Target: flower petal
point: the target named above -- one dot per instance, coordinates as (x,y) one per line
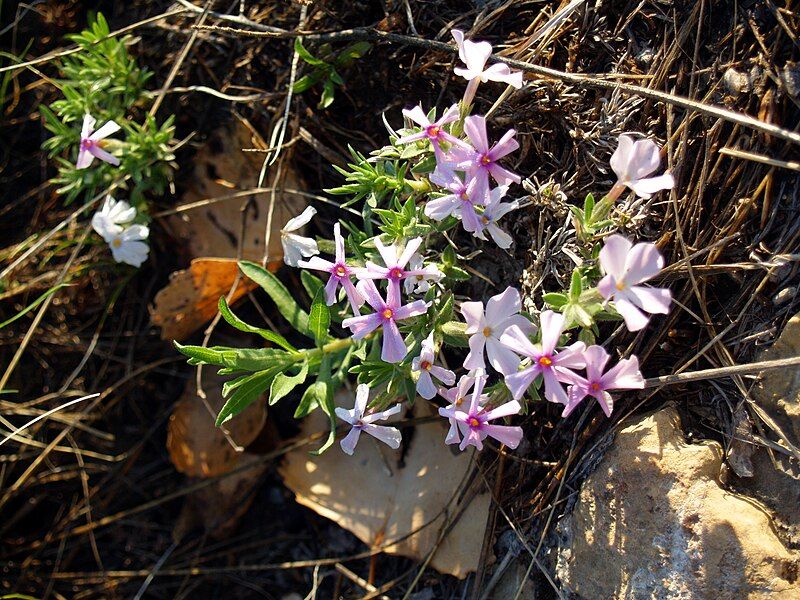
(505,434)
(388,435)
(473,315)
(552,326)
(475,128)
(634,318)
(394,348)
(505,410)
(348,442)
(503,360)
(518,383)
(502,306)
(643,262)
(625,375)
(613,256)
(425,386)
(652,300)
(108,128)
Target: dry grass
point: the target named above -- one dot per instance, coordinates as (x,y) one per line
(88,497)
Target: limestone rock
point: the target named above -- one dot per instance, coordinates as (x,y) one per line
(653,522)
(776,478)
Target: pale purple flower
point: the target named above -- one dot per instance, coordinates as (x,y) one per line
(494,211)
(553,366)
(386,316)
(394,269)
(482,161)
(366,423)
(423,364)
(112,217)
(459,203)
(624,375)
(296,246)
(474,56)
(433,131)
(421,283)
(91,145)
(626,266)
(456,396)
(485,329)
(633,161)
(129,245)
(340,274)
(475,424)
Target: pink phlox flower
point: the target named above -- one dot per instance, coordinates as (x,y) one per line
(460,203)
(433,131)
(92,142)
(474,56)
(554,367)
(474,424)
(494,211)
(112,218)
(421,283)
(624,375)
(386,316)
(394,269)
(626,266)
(482,161)
(456,396)
(423,364)
(633,161)
(485,329)
(366,423)
(340,273)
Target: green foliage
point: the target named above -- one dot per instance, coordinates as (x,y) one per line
(102,79)
(325,68)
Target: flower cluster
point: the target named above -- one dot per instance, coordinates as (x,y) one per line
(392,290)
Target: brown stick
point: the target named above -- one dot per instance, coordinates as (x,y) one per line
(748,369)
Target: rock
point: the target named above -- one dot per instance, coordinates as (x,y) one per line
(776,478)
(736,82)
(653,522)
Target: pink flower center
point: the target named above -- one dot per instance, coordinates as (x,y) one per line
(87,144)
(459,401)
(545,361)
(420,277)
(425,365)
(620,285)
(485,160)
(462,193)
(473,422)
(340,271)
(433,131)
(396,273)
(484,219)
(387,313)
(116,243)
(595,387)
(487,332)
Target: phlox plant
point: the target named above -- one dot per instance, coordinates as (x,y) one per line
(383,307)
(102,133)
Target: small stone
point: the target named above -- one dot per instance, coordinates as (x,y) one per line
(790,75)
(784,295)
(736,82)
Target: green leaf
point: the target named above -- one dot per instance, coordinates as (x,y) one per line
(588,207)
(555,300)
(268,335)
(575,286)
(283,384)
(319,320)
(305,54)
(312,398)
(33,304)
(282,298)
(328,92)
(246,392)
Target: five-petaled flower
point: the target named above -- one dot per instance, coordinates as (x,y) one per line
(423,364)
(421,282)
(366,423)
(494,211)
(474,424)
(295,246)
(394,269)
(481,161)
(386,316)
(632,162)
(486,327)
(340,273)
(433,131)
(91,145)
(457,396)
(460,202)
(474,55)
(127,242)
(626,266)
(553,366)
(624,375)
